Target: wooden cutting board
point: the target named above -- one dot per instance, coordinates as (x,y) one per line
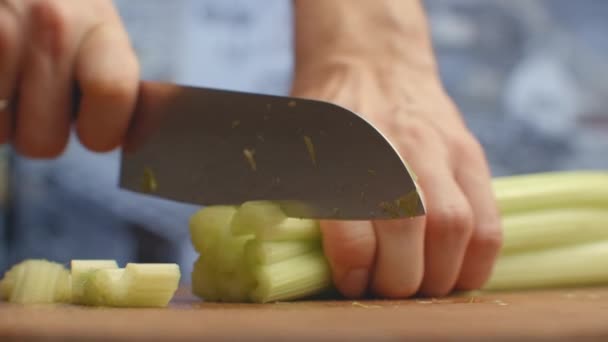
(559,314)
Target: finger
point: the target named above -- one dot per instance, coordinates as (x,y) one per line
(42,127)
(449,218)
(108,74)
(448,230)
(350,248)
(399,261)
(9,64)
(486,240)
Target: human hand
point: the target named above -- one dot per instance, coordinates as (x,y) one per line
(455,245)
(47,47)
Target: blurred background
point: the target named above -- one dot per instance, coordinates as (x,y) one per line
(528,75)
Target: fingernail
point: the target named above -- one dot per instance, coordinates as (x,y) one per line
(355,281)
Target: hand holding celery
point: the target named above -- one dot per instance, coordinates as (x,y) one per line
(555,227)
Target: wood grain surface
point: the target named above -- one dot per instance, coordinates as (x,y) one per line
(552,315)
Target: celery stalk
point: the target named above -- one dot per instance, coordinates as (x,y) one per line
(298,277)
(269,252)
(536,230)
(580,189)
(576,265)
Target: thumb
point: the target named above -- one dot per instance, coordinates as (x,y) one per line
(350,247)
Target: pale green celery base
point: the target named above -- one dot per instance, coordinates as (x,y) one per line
(583,189)
(270,252)
(571,266)
(256,215)
(203,281)
(229,253)
(294,278)
(290,229)
(552,228)
(207,224)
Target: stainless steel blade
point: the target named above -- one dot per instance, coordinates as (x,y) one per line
(214,147)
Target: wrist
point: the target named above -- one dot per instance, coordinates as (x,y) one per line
(391,35)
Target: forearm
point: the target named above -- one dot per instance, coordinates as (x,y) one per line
(391,34)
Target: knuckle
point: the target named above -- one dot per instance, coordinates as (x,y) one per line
(467,149)
(51,22)
(115,92)
(489,238)
(8,38)
(355,248)
(413,131)
(454,220)
(49,150)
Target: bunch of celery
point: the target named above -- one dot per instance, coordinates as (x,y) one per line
(555,228)
(256,253)
(90,282)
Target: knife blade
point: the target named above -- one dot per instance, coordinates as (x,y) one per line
(215,147)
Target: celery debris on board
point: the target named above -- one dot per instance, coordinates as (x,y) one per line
(555,234)
(91,282)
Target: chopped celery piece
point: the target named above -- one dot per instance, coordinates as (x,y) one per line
(37,281)
(102,287)
(536,230)
(149,285)
(7,284)
(82,270)
(207,224)
(137,285)
(298,277)
(269,252)
(576,265)
(518,194)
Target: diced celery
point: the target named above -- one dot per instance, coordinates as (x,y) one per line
(137,285)
(82,271)
(38,281)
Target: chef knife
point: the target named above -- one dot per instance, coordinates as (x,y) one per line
(214,147)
